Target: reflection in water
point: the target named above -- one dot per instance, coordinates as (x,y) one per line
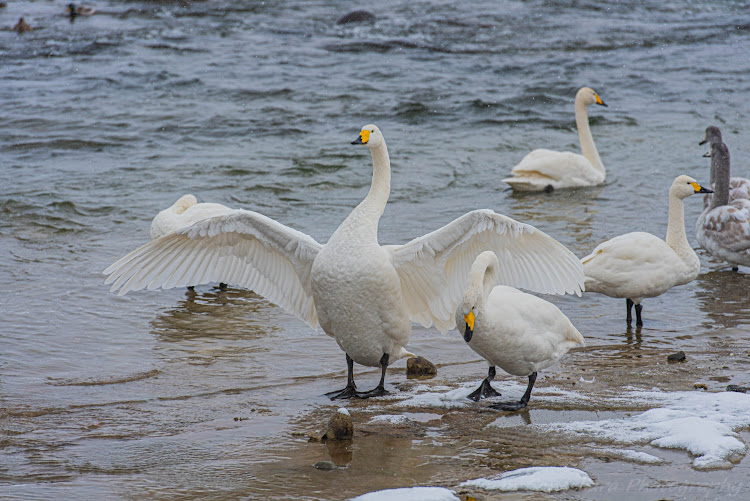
(723,297)
(216,313)
(340,452)
(560,209)
(633,338)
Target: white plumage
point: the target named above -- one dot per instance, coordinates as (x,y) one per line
(518,332)
(723,229)
(361,293)
(184,212)
(545,170)
(640,265)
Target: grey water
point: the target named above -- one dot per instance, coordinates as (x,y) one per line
(108,119)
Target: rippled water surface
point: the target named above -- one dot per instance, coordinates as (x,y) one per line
(109,119)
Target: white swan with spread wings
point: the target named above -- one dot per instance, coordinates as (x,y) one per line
(363,294)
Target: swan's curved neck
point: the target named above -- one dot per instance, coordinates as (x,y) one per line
(676,236)
(720,172)
(588,148)
(362,223)
(380,189)
(482,279)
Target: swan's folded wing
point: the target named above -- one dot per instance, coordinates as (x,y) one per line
(434,268)
(241,248)
(729,226)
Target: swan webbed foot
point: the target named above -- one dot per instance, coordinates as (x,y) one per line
(485,389)
(509,406)
(516,406)
(638,319)
(378,391)
(351,388)
(348,392)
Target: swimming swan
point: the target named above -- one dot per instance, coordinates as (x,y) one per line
(519,332)
(361,293)
(639,265)
(739,187)
(723,229)
(185,212)
(545,170)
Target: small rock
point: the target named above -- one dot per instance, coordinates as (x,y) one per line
(325,465)
(340,427)
(357,16)
(738,389)
(677,357)
(420,367)
(700,386)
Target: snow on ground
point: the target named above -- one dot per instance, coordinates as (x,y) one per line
(410,493)
(636,456)
(390,418)
(700,422)
(538,478)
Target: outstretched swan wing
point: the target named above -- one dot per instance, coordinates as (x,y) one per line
(239,248)
(434,268)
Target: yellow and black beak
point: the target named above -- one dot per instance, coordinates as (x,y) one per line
(469,332)
(363,138)
(700,189)
(599,101)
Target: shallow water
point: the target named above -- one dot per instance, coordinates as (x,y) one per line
(109,119)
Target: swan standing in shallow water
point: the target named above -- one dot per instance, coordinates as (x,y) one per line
(639,265)
(519,332)
(183,213)
(361,293)
(547,170)
(723,229)
(739,187)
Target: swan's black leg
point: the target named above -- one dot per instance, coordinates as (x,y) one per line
(379,390)
(514,406)
(351,388)
(222,286)
(735,268)
(485,390)
(629,305)
(638,319)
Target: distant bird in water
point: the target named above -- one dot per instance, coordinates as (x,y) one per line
(357,16)
(3,5)
(638,265)
(74,10)
(183,213)
(22,26)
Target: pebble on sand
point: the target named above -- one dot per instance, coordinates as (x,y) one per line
(677,357)
(420,367)
(340,427)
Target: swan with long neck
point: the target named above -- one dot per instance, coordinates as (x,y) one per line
(363,294)
(520,333)
(739,187)
(547,170)
(723,229)
(638,265)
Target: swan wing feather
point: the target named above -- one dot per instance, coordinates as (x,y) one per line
(433,269)
(240,248)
